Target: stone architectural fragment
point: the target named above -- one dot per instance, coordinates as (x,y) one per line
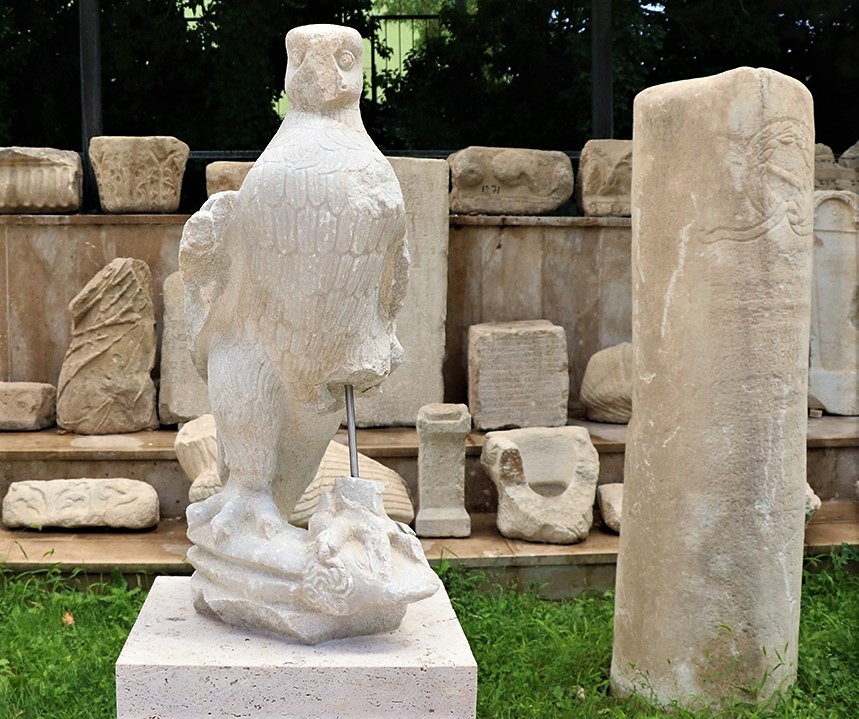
(421,322)
(605,174)
(607,385)
(850,157)
(138,174)
(292,288)
(197,452)
(182,394)
(509,181)
(517,374)
(70,503)
(40,179)
(722,196)
(546,479)
(27,405)
(223,176)
(105,384)
(610,500)
(833,381)
(831,175)
(442,429)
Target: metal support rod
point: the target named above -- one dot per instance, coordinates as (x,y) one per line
(350,430)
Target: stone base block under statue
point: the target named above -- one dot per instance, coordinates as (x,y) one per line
(180,664)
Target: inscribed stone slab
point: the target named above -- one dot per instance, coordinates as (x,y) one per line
(40,179)
(421,322)
(180,664)
(509,181)
(182,393)
(517,374)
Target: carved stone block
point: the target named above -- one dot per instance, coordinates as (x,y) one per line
(850,157)
(39,179)
(833,380)
(610,500)
(27,405)
(442,429)
(546,480)
(605,176)
(105,384)
(517,374)
(70,503)
(222,176)
(182,394)
(138,174)
(509,181)
(831,175)
(606,392)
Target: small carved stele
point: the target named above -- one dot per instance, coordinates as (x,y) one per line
(138,174)
(105,385)
(71,503)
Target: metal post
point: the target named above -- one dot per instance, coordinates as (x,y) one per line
(601,69)
(350,430)
(91,115)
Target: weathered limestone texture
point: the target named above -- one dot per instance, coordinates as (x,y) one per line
(421,322)
(40,179)
(517,374)
(831,175)
(182,394)
(197,451)
(812,503)
(105,385)
(722,197)
(70,503)
(138,174)
(833,381)
(546,479)
(442,429)
(223,176)
(607,385)
(169,667)
(509,181)
(605,174)
(27,405)
(310,254)
(850,157)
(610,501)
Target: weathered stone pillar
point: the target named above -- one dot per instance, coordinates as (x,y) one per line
(709,571)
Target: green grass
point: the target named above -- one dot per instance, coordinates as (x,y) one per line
(536,658)
(59,643)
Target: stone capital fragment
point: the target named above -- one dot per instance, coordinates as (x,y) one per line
(138,174)
(223,175)
(509,181)
(27,405)
(605,175)
(442,429)
(71,503)
(606,392)
(39,179)
(546,479)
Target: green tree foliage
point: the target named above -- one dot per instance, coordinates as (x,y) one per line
(515,74)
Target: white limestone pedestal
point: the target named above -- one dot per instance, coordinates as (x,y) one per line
(179,664)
